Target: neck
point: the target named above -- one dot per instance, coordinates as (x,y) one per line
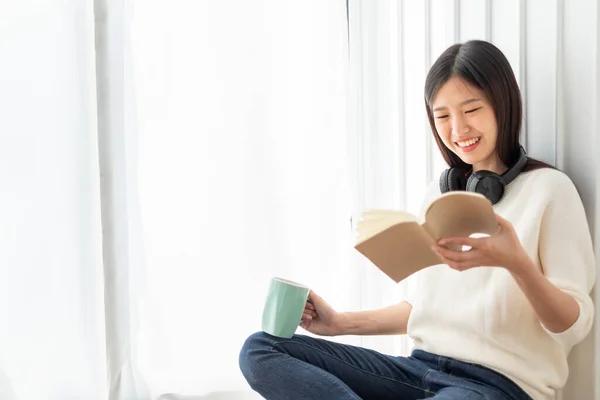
(495,166)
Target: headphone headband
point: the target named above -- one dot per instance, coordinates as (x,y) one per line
(516,169)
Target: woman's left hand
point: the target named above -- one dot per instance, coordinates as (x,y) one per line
(503,249)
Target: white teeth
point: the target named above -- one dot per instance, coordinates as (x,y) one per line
(468,142)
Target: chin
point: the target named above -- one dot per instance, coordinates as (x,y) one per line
(469,160)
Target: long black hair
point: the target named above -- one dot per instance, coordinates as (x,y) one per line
(484,66)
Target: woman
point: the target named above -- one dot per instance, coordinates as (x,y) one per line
(494,322)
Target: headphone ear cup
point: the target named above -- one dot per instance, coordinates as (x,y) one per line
(487,183)
(444,186)
(452,179)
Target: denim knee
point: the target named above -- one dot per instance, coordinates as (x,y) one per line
(256,345)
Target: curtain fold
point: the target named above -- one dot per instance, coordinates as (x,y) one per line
(122,248)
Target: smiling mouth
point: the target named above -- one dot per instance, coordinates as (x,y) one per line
(467,143)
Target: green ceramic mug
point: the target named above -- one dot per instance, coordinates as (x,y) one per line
(283,308)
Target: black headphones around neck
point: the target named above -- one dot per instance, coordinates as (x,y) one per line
(488,183)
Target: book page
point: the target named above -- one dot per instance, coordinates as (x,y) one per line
(375,221)
(461,214)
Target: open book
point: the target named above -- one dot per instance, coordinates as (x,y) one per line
(399,244)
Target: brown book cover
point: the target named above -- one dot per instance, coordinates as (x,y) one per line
(399,244)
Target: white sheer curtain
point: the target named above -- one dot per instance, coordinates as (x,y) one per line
(52,341)
(394,156)
(161,161)
(243,175)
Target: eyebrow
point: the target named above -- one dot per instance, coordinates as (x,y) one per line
(461,104)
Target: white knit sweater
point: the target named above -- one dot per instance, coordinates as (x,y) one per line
(481,315)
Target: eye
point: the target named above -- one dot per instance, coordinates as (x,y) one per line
(441,116)
(473,110)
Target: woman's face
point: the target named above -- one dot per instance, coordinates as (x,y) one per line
(466,123)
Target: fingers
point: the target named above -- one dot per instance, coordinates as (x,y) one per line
(504,224)
(460,266)
(453,255)
(309,310)
(501,220)
(463,241)
(307,317)
(314,301)
(314,297)
(458,260)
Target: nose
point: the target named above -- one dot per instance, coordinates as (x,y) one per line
(460,125)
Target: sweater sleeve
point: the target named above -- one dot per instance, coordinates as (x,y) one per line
(567,256)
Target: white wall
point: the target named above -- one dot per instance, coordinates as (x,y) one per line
(554,48)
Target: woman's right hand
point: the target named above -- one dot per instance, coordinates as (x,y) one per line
(319,317)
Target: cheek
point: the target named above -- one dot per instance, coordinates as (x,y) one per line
(486,124)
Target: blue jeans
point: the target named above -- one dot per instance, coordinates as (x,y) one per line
(304,367)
